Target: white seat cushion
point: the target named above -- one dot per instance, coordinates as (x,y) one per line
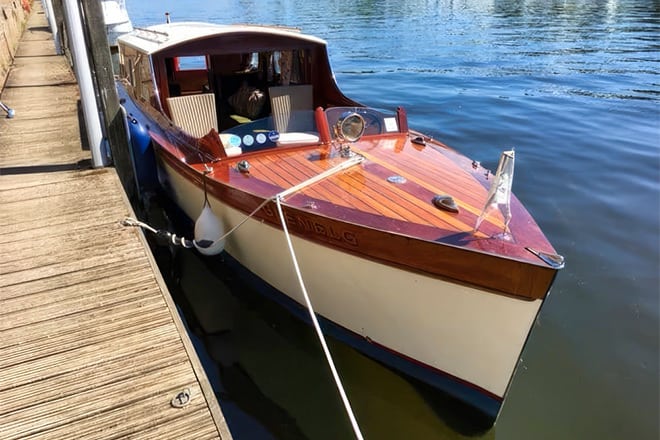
(297,138)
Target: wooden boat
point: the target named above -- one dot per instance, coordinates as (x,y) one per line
(382,218)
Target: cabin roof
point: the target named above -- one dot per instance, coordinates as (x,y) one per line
(155,38)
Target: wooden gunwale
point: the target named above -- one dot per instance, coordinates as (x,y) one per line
(421,196)
(268,189)
(387,199)
(511,271)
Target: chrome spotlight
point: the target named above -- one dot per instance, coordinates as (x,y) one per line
(349,128)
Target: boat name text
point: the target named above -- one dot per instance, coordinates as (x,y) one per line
(302,223)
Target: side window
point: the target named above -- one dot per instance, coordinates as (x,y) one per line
(190,63)
(188,75)
(127,58)
(135,67)
(291,65)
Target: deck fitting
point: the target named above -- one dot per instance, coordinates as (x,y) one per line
(182,399)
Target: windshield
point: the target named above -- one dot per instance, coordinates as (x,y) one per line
(263,133)
(375,122)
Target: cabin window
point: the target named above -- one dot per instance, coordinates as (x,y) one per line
(136,69)
(187,75)
(292,67)
(253,62)
(190,63)
(277,67)
(283,67)
(127,61)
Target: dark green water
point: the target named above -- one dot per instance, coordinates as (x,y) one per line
(574,86)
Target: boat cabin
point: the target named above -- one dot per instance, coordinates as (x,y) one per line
(205,76)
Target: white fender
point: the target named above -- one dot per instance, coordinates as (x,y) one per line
(209,227)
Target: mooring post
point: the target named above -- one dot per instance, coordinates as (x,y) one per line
(97,144)
(50,15)
(112,116)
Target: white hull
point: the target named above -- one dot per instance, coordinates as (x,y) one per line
(474,335)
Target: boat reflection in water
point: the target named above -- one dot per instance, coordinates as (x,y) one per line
(270,376)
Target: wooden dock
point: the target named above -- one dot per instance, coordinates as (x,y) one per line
(91,344)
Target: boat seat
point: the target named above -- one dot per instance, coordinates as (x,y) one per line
(195,114)
(292,108)
(297,138)
(293,116)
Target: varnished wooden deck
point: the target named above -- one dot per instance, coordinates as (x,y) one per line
(91,345)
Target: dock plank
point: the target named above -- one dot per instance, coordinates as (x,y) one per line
(70,278)
(72,295)
(91,343)
(48,415)
(82,359)
(76,381)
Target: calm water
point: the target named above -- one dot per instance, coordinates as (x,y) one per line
(574,86)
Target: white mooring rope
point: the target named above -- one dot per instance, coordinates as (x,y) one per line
(317,327)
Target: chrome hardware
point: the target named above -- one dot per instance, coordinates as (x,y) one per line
(396,179)
(445,202)
(182,399)
(555,261)
(243,166)
(348,129)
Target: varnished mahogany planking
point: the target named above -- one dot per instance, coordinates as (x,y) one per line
(492,264)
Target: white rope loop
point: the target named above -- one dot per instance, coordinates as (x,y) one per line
(278,198)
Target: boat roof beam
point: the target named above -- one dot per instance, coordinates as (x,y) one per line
(237,43)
